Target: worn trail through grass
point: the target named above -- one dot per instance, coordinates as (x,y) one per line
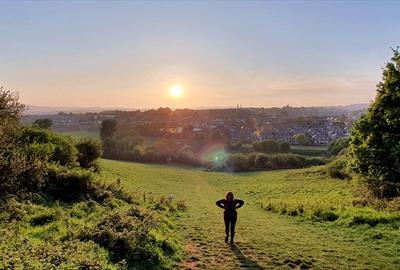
(263,240)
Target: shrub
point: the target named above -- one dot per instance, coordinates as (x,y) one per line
(315,161)
(337,146)
(338,168)
(11,110)
(261,160)
(186,157)
(284,147)
(252,159)
(267,146)
(43,123)
(21,170)
(292,161)
(130,236)
(138,152)
(89,150)
(62,149)
(238,162)
(67,184)
(42,218)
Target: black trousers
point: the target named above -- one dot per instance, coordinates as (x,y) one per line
(230,223)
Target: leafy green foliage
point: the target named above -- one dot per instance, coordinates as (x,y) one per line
(108,128)
(337,147)
(89,150)
(67,184)
(60,149)
(271,146)
(375,139)
(238,162)
(108,234)
(261,160)
(338,168)
(285,161)
(55,215)
(302,139)
(10,110)
(45,123)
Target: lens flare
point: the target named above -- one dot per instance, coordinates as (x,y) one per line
(214,152)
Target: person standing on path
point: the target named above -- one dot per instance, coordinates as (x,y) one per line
(230,204)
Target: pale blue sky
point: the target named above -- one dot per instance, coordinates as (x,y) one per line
(88,53)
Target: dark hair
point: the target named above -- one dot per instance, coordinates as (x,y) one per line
(229,193)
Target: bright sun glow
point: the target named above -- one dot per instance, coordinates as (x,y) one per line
(176,91)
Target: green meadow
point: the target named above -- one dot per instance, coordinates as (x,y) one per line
(299,219)
(82,134)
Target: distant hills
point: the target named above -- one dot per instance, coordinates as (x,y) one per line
(44,110)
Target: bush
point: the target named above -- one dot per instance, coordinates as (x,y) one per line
(129,236)
(22,166)
(338,168)
(67,184)
(292,161)
(284,147)
(252,159)
(267,146)
(43,123)
(286,161)
(186,157)
(315,161)
(61,149)
(11,110)
(138,152)
(89,150)
(261,160)
(238,162)
(337,146)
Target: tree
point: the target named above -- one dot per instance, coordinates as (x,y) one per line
(89,150)
(10,110)
(375,139)
(108,128)
(45,123)
(301,139)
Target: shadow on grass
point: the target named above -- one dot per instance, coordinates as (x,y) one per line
(245,262)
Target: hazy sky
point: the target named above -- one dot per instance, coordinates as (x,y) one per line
(223,53)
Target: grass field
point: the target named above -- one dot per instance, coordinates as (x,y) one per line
(265,238)
(309,150)
(82,134)
(309,147)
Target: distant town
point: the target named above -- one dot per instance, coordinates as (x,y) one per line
(319,125)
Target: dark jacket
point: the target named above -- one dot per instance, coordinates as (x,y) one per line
(230,206)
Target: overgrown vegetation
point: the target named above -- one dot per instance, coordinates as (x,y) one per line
(262,161)
(56,214)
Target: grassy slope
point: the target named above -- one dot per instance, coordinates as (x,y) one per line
(264,239)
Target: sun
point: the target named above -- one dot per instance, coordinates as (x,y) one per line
(176,91)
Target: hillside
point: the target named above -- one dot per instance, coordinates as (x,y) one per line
(267,236)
